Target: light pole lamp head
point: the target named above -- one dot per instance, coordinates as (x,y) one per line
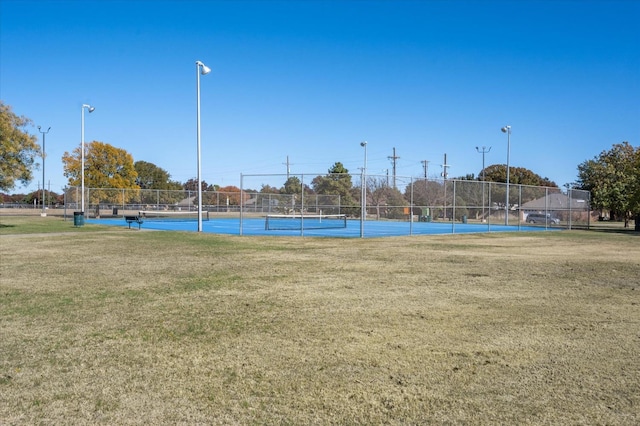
(363,143)
(506,129)
(204,70)
(88,107)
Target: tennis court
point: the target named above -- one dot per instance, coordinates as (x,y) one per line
(370,228)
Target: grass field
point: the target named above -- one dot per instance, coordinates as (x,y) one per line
(105,325)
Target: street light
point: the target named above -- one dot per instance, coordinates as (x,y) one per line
(200,69)
(44,213)
(483,152)
(91,109)
(364,190)
(507,130)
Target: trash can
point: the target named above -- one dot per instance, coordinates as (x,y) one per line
(115,211)
(78,218)
(464,218)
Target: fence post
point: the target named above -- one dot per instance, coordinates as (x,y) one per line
(569,197)
(489,205)
(519,211)
(241,198)
(453,209)
(411,209)
(301,206)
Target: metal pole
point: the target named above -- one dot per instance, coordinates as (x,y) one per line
(301,206)
(363,197)
(362,205)
(364,185)
(453,209)
(200,68)
(411,210)
(241,192)
(44,196)
(91,109)
(483,152)
(508,170)
(507,130)
(82,165)
(198,149)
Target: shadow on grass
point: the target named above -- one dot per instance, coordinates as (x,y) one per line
(631,230)
(628,231)
(2,225)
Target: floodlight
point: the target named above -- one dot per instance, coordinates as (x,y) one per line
(204,70)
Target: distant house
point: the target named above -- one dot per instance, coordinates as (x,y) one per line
(556,201)
(559,204)
(185,204)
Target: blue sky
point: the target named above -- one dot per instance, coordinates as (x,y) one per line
(312,79)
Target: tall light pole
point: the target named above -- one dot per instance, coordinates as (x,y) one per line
(200,69)
(364,190)
(507,130)
(44,213)
(91,109)
(483,151)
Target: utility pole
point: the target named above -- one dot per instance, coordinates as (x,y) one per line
(393,159)
(288,167)
(444,175)
(425,166)
(445,166)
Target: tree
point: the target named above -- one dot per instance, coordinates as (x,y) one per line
(232,194)
(336,182)
(613,177)
(293,185)
(18,149)
(106,167)
(268,189)
(517,176)
(160,189)
(192,185)
(388,201)
(151,176)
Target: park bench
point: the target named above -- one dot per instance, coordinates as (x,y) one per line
(132,219)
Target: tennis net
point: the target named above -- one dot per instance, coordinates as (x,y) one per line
(276,222)
(153,215)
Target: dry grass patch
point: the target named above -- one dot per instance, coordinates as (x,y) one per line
(162,327)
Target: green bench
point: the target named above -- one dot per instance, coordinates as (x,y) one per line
(134,219)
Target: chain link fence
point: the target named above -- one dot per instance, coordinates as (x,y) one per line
(400,198)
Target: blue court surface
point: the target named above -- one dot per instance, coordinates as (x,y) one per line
(371,228)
